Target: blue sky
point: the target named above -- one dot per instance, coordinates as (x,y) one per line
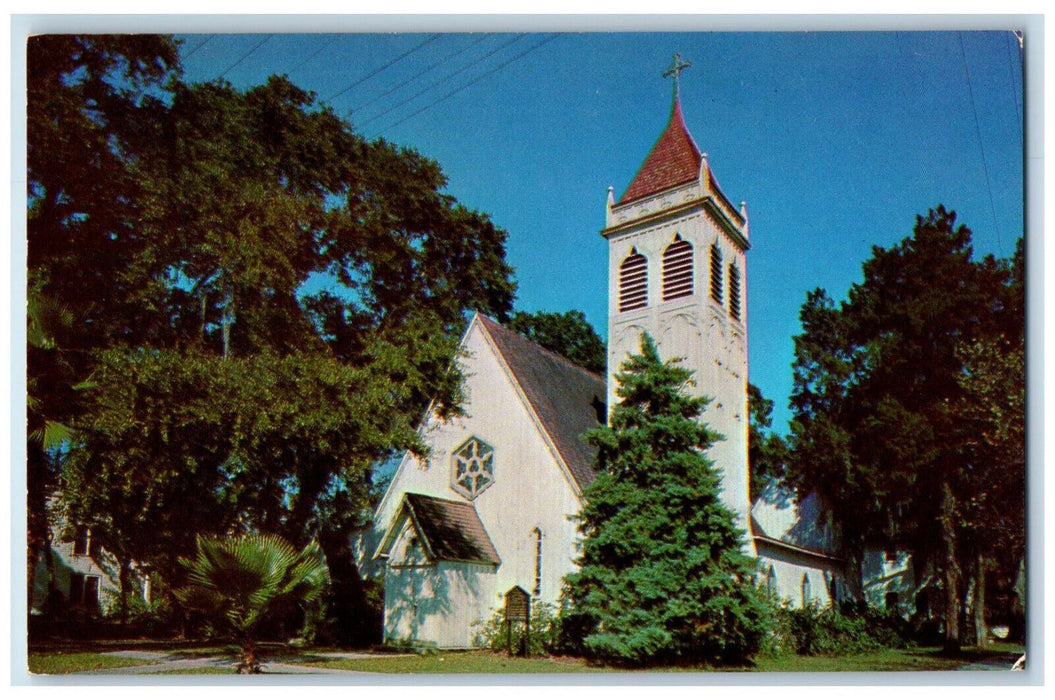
(836,141)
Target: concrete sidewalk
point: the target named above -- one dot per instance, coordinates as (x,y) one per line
(997,662)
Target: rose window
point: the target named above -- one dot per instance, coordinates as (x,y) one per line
(473,468)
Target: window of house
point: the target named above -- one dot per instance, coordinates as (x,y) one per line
(472,468)
(807,593)
(91,591)
(677,269)
(716,273)
(771,581)
(82,542)
(84,590)
(76,588)
(734,291)
(633,282)
(538,561)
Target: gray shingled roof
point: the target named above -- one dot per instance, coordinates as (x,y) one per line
(568,399)
(452,529)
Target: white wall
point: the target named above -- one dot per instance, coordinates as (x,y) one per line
(530,489)
(790,568)
(438,603)
(64,563)
(883,574)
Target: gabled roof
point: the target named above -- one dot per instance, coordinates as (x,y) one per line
(450,530)
(779,516)
(567,399)
(674,160)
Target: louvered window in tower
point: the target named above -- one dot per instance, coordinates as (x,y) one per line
(633,282)
(677,269)
(734,291)
(716,273)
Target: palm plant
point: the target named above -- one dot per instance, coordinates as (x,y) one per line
(238,582)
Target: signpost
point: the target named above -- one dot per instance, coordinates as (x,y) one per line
(518,607)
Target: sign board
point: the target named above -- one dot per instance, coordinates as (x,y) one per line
(518,604)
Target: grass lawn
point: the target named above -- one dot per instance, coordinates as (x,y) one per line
(77,662)
(914,659)
(456,662)
(486,662)
(882,660)
(918,659)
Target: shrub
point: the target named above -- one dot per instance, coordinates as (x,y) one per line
(545,632)
(814,631)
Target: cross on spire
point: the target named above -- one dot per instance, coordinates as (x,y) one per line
(675,69)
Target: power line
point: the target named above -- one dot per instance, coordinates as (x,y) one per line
(443,80)
(978,132)
(1011,70)
(395,60)
(475,80)
(244,56)
(425,72)
(195,49)
(333,38)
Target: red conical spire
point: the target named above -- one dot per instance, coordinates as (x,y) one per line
(674,160)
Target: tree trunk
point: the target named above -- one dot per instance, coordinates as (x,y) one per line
(981,632)
(950,570)
(250,662)
(124,584)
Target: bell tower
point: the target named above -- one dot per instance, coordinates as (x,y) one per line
(677,270)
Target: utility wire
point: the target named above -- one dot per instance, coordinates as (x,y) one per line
(395,60)
(454,92)
(441,81)
(425,72)
(245,56)
(1011,70)
(333,38)
(981,147)
(195,49)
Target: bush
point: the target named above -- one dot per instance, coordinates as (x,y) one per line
(157,618)
(545,632)
(814,631)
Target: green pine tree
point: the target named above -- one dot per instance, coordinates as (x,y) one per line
(663,577)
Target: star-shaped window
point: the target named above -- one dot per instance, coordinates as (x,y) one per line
(472,468)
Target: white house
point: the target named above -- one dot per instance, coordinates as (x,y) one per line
(494,507)
(83,574)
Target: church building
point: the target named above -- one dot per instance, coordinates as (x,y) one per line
(493,508)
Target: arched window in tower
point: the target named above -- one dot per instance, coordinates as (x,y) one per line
(716,273)
(734,291)
(807,593)
(538,560)
(677,269)
(633,282)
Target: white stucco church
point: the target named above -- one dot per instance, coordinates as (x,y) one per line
(493,506)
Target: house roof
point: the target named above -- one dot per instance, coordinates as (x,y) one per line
(451,530)
(674,160)
(567,399)
(778,516)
